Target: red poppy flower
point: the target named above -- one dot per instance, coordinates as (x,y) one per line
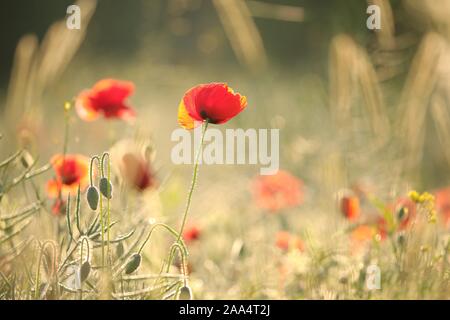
(70,171)
(279,191)
(133,165)
(191,233)
(215,102)
(107,97)
(442,202)
(284,240)
(350,207)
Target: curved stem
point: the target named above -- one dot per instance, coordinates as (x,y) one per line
(172,231)
(176,246)
(91,168)
(194,180)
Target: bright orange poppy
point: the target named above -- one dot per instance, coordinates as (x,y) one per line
(215,102)
(107,98)
(350,207)
(70,171)
(279,191)
(284,240)
(361,236)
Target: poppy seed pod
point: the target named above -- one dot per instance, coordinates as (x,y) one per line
(92,197)
(106,188)
(85,269)
(185,293)
(133,263)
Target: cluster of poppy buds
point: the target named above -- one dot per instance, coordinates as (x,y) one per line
(105,185)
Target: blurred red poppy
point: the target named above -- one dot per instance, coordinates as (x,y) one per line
(215,102)
(381,228)
(107,98)
(191,233)
(133,164)
(70,171)
(284,241)
(361,236)
(350,207)
(279,191)
(442,202)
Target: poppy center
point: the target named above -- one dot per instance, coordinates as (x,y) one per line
(205,117)
(69,173)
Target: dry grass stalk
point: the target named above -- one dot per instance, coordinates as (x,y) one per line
(242,33)
(350,67)
(386,35)
(276,11)
(38,67)
(416,95)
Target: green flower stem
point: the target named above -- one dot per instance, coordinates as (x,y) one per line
(91,173)
(102,226)
(108,209)
(194,180)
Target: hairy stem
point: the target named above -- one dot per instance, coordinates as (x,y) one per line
(194,180)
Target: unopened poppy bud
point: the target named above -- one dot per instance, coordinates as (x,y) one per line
(120,250)
(84,271)
(92,197)
(185,293)
(106,188)
(133,263)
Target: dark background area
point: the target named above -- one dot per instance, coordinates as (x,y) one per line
(119,27)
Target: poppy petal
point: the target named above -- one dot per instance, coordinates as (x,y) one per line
(184,119)
(53,188)
(84,107)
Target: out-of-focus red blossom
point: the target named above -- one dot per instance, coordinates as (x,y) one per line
(215,102)
(133,165)
(382,228)
(191,233)
(361,236)
(106,98)
(284,241)
(59,207)
(350,207)
(137,172)
(279,191)
(442,202)
(71,171)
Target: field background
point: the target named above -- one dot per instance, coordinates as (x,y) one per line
(354,107)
